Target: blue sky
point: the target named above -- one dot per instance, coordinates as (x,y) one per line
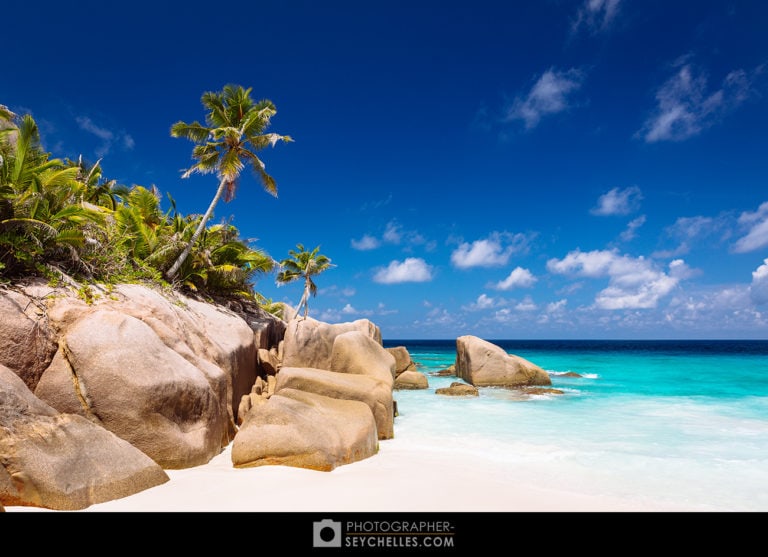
(552,169)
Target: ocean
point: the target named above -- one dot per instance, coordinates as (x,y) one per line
(677,422)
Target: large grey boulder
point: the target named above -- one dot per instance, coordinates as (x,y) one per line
(484,364)
(376,394)
(309,343)
(305,430)
(63,461)
(113,369)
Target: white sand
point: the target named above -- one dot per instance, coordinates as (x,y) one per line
(400,478)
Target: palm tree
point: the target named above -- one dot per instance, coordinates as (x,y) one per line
(303,264)
(234,131)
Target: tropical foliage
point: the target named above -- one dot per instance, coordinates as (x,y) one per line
(233,133)
(303,264)
(65,216)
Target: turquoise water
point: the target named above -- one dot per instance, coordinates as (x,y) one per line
(678,422)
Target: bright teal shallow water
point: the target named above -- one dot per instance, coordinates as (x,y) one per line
(678,422)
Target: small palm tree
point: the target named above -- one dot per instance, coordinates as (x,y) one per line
(234,131)
(303,264)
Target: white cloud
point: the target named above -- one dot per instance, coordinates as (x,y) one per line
(758,290)
(757,237)
(367,242)
(549,95)
(108,137)
(686,106)
(526,305)
(556,306)
(411,270)
(634,283)
(596,15)
(493,251)
(348,309)
(687,231)
(392,233)
(518,278)
(630,232)
(618,202)
(483,302)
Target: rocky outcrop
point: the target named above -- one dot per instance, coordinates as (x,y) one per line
(403,361)
(458,389)
(153,397)
(411,380)
(355,352)
(482,364)
(376,394)
(27,342)
(305,430)
(160,370)
(309,343)
(63,461)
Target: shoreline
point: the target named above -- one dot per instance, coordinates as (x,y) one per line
(399,478)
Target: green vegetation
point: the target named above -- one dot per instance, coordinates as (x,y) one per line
(61,216)
(303,264)
(226,145)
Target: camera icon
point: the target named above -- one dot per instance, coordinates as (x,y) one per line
(326,533)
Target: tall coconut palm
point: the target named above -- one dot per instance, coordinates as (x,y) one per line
(226,144)
(303,264)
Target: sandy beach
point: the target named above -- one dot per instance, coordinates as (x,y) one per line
(400,478)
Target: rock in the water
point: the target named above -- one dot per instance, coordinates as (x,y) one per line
(458,389)
(541,391)
(376,394)
(305,430)
(484,364)
(403,361)
(447,372)
(63,461)
(571,374)
(411,380)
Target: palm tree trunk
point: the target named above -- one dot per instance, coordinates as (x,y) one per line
(304,301)
(170,274)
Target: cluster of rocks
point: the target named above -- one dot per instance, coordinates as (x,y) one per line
(407,376)
(100,394)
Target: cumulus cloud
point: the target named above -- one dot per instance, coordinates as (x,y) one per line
(413,269)
(549,95)
(518,278)
(618,202)
(596,15)
(757,224)
(483,302)
(758,290)
(526,305)
(108,137)
(367,242)
(686,105)
(493,251)
(634,283)
(559,305)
